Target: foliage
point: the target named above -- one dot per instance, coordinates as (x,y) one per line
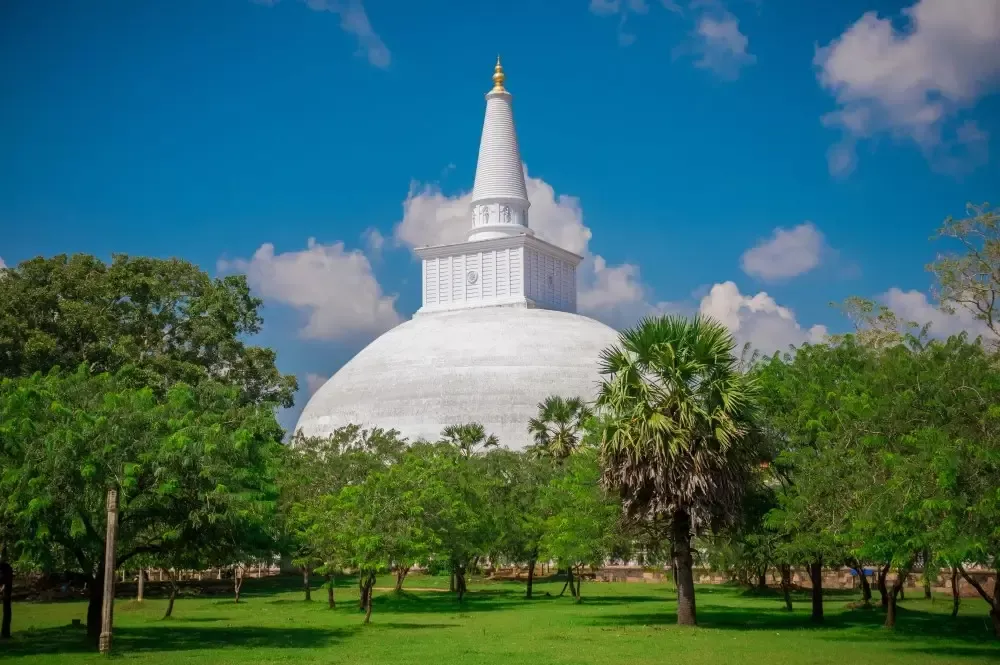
(678,433)
(558,427)
(193,467)
(971,281)
(580,530)
(167,319)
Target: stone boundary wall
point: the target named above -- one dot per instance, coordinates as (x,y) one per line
(839,578)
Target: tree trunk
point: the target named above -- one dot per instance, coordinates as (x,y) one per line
(579,581)
(883,589)
(238,575)
(866,588)
(460,582)
(401,572)
(94,607)
(361,592)
(7,580)
(305,582)
(531,575)
(330,600)
(993,601)
(140,585)
(762,581)
(927,574)
(682,563)
(896,593)
(369,585)
(569,582)
(173,595)
(956,598)
(816,577)
(786,585)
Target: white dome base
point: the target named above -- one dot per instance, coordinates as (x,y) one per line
(489,365)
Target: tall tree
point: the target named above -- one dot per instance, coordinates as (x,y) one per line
(189,464)
(676,440)
(970,279)
(558,427)
(168,319)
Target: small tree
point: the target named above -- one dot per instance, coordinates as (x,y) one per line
(580,531)
(558,427)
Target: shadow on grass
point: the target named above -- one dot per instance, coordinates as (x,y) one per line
(405,602)
(166,638)
(911,626)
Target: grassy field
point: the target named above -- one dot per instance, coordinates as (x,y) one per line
(617,623)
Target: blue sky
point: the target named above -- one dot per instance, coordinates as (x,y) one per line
(682,134)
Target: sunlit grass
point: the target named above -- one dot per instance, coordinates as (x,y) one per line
(616,623)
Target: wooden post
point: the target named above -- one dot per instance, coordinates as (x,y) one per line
(107,610)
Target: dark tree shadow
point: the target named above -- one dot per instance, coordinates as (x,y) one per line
(165,637)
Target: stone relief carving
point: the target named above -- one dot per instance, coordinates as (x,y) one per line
(505,212)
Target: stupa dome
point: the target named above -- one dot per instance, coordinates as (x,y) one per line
(497,332)
(491,365)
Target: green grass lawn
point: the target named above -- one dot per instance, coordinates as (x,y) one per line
(617,623)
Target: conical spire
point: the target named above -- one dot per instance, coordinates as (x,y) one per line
(499,196)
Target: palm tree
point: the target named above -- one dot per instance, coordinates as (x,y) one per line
(559,426)
(468,437)
(677,415)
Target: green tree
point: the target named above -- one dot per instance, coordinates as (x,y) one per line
(580,530)
(676,433)
(190,465)
(558,427)
(313,469)
(469,438)
(971,280)
(167,318)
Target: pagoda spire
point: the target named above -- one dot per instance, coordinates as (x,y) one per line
(499,196)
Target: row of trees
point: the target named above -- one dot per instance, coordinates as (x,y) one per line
(875,448)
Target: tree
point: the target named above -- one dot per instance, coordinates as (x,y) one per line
(515,483)
(189,464)
(168,319)
(581,528)
(676,437)
(468,438)
(313,469)
(559,426)
(971,281)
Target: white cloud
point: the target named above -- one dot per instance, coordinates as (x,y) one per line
(716,40)
(354,20)
(914,306)
(787,253)
(913,83)
(614,294)
(314,382)
(757,319)
(2,264)
(334,287)
(374,240)
(721,46)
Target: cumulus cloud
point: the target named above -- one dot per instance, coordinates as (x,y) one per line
(757,319)
(314,382)
(354,20)
(334,287)
(914,306)
(787,253)
(614,294)
(720,46)
(913,83)
(715,40)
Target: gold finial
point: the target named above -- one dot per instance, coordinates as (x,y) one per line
(498,77)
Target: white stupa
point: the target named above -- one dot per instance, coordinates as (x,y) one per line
(498,330)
